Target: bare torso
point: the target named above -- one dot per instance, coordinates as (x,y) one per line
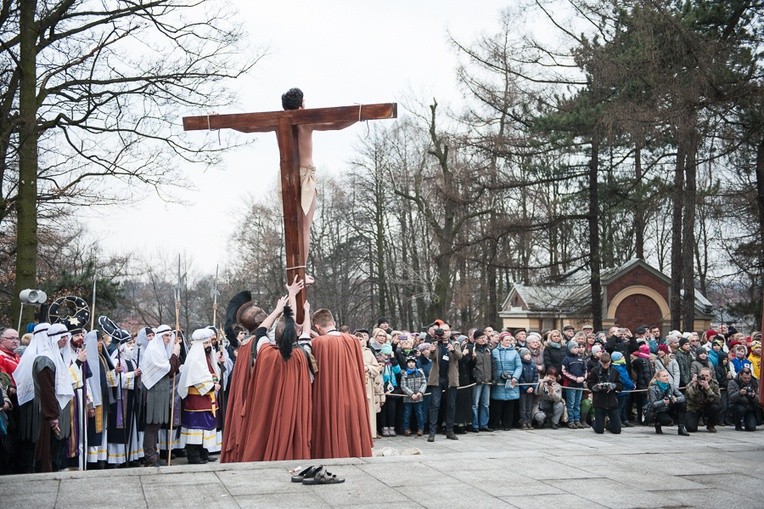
(305,145)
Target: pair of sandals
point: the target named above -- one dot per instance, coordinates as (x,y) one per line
(317,475)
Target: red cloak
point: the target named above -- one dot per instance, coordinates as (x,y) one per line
(237,404)
(277,425)
(340,408)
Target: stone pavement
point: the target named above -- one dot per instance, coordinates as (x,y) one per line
(535,469)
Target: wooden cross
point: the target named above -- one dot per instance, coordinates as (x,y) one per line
(285,123)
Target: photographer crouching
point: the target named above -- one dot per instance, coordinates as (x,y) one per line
(444,376)
(743,392)
(703,397)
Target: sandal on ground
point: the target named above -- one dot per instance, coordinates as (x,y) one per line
(323,476)
(308,473)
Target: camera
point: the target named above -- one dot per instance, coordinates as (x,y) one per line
(702,378)
(439,333)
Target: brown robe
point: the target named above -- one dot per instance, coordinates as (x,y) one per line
(278,424)
(340,409)
(49,410)
(237,404)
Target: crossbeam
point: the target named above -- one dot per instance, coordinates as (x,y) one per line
(285,124)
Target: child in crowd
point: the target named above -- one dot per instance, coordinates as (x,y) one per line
(390,369)
(414,385)
(530,376)
(624,397)
(574,375)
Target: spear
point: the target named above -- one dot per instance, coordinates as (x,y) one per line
(214,294)
(172,393)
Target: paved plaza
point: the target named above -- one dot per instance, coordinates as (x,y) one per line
(525,469)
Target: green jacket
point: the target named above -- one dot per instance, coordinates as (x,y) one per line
(699,398)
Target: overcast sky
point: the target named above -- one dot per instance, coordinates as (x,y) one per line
(340,53)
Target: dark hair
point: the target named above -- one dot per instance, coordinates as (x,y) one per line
(552,371)
(289,336)
(292,99)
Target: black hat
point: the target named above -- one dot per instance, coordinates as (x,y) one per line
(568,327)
(640,330)
(382,320)
(478,334)
(683,342)
(410,358)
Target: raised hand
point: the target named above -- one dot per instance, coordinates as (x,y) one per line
(296,286)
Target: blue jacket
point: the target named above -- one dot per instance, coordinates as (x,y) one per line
(506,364)
(628,384)
(389,372)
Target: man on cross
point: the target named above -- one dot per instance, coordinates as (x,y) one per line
(293,99)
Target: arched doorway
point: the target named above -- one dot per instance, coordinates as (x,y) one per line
(638,309)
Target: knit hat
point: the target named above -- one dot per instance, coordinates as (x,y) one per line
(644,351)
(616,356)
(523,352)
(424,346)
(387,349)
(664,348)
(410,358)
(478,334)
(572,344)
(596,349)
(755,344)
(683,342)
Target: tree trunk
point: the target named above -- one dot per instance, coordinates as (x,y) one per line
(677,196)
(688,234)
(26,206)
(639,212)
(594,237)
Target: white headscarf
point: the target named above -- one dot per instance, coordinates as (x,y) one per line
(195,370)
(155,362)
(23,372)
(64,381)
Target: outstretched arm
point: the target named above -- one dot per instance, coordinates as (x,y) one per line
(268,322)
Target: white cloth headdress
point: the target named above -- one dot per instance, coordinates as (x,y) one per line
(64,381)
(195,370)
(23,372)
(155,361)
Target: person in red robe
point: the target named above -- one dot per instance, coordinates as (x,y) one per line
(269,417)
(237,404)
(340,408)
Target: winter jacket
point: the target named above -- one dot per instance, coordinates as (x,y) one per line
(604,397)
(697,365)
(720,373)
(530,374)
(506,366)
(480,364)
(684,359)
(413,383)
(643,372)
(672,368)
(698,399)
(553,356)
(735,398)
(616,344)
(755,364)
(436,354)
(656,396)
(573,366)
(551,393)
(628,385)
